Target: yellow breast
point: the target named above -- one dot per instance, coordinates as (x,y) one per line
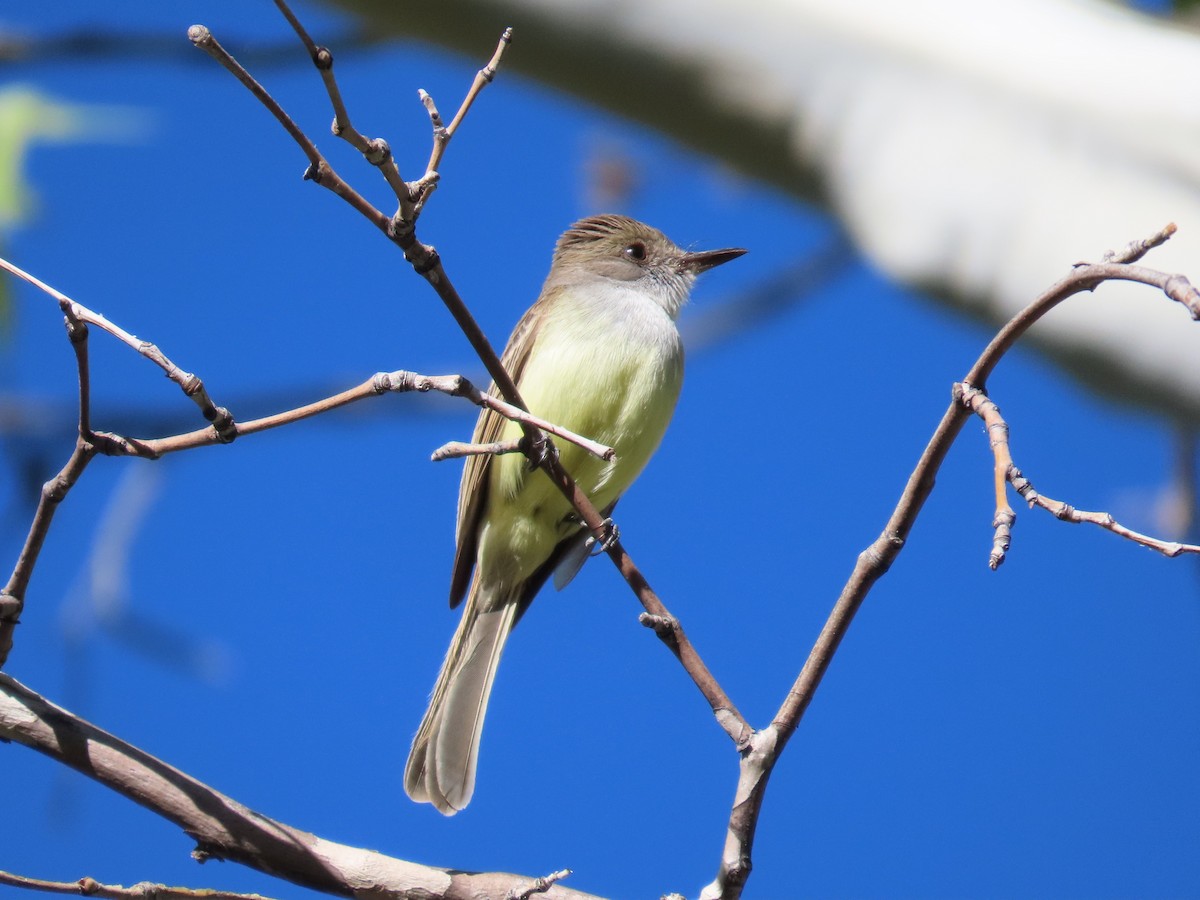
(611,374)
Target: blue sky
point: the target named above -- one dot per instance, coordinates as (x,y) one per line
(1028,732)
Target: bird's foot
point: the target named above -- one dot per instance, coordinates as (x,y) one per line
(612,534)
(537,451)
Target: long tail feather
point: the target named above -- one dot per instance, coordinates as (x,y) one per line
(445,751)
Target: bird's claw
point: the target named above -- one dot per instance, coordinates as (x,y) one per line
(537,451)
(612,534)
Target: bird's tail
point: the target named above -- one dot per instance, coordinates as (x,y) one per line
(441,764)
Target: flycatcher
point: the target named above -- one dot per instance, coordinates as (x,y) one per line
(599,354)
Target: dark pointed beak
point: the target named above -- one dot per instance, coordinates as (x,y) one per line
(708,259)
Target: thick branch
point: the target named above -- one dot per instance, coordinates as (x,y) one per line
(222,827)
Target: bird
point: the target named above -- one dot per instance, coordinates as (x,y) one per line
(598,353)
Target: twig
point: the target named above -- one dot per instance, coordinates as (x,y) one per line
(77,315)
(12,597)
(319,170)
(1008,473)
(375,151)
(90,887)
(398,382)
(980,404)
(399,229)
(1067,513)
(540,885)
(442,135)
(457,449)
(224,429)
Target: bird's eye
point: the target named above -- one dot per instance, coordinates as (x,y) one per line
(636,251)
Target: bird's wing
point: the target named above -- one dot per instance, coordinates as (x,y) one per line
(473,489)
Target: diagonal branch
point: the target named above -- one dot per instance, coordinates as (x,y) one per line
(223,828)
(766,745)
(443,134)
(427,263)
(79,316)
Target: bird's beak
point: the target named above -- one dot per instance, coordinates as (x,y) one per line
(708,259)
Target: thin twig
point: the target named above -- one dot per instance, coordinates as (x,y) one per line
(12,597)
(1067,513)
(376,151)
(1002,523)
(398,382)
(539,886)
(319,170)
(224,429)
(90,887)
(457,449)
(1008,473)
(77,314)
(484,77)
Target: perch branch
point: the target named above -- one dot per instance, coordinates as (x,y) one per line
(427,263)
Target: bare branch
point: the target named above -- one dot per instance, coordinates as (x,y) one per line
(876,559)
(484,77)
(90,887)
(1135,250)
(399,381)
(78,314)
(222,827)
(224,428)
(979,403)
(319,169)
(1067,513)
(457,449)
(12,597)
(1007,473)
(376,151)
